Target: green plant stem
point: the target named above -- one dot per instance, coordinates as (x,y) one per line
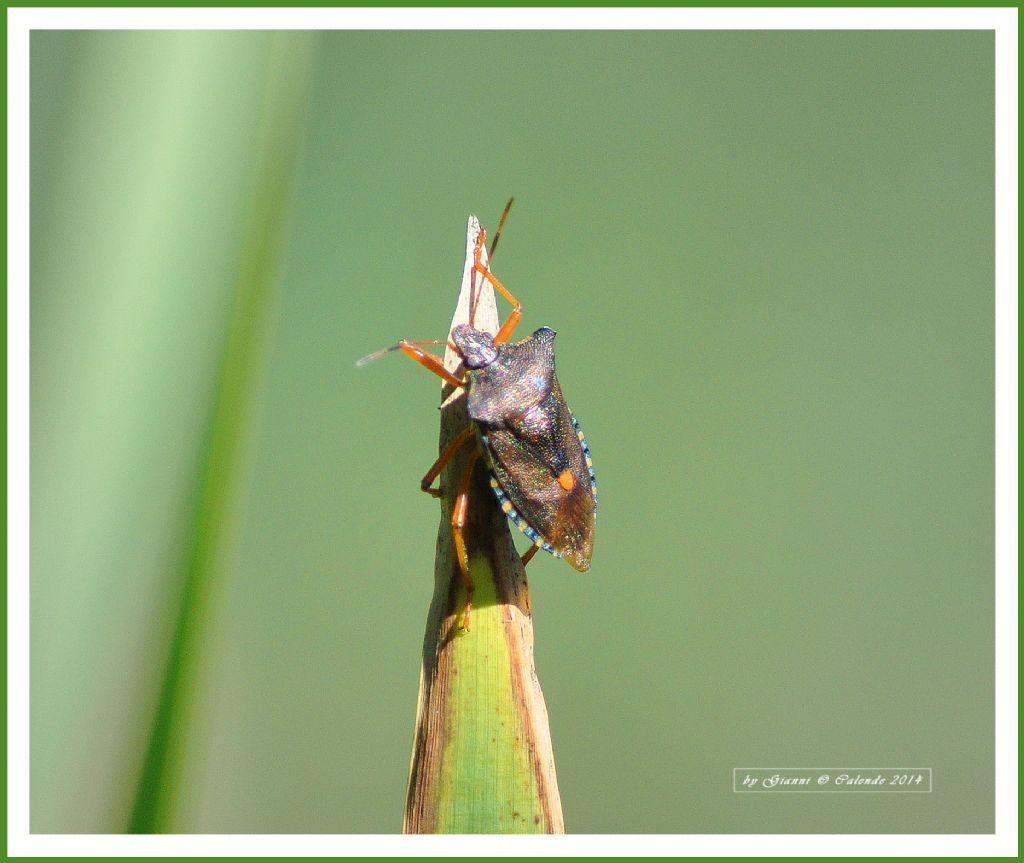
(482,760)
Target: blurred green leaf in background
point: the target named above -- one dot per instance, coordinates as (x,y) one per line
(153,293)
(769,260)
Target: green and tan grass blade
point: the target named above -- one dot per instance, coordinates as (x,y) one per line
(482,759)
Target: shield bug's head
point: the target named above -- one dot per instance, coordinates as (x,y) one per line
(476,346)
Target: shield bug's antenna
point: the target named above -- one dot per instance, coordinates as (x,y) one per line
(376,355)
(497,233)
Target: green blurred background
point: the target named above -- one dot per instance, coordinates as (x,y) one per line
(769,257)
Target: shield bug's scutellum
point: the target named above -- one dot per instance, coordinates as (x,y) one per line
(538,461)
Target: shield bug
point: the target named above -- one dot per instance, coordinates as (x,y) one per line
(537,458)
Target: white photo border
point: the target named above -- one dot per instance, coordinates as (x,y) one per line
(1003,21)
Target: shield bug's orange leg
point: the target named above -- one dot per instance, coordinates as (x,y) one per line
(517,309)
(458,523)
(436,468)
(481,242)
(429,362)
(528,556)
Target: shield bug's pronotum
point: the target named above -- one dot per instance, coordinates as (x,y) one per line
(537,459)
